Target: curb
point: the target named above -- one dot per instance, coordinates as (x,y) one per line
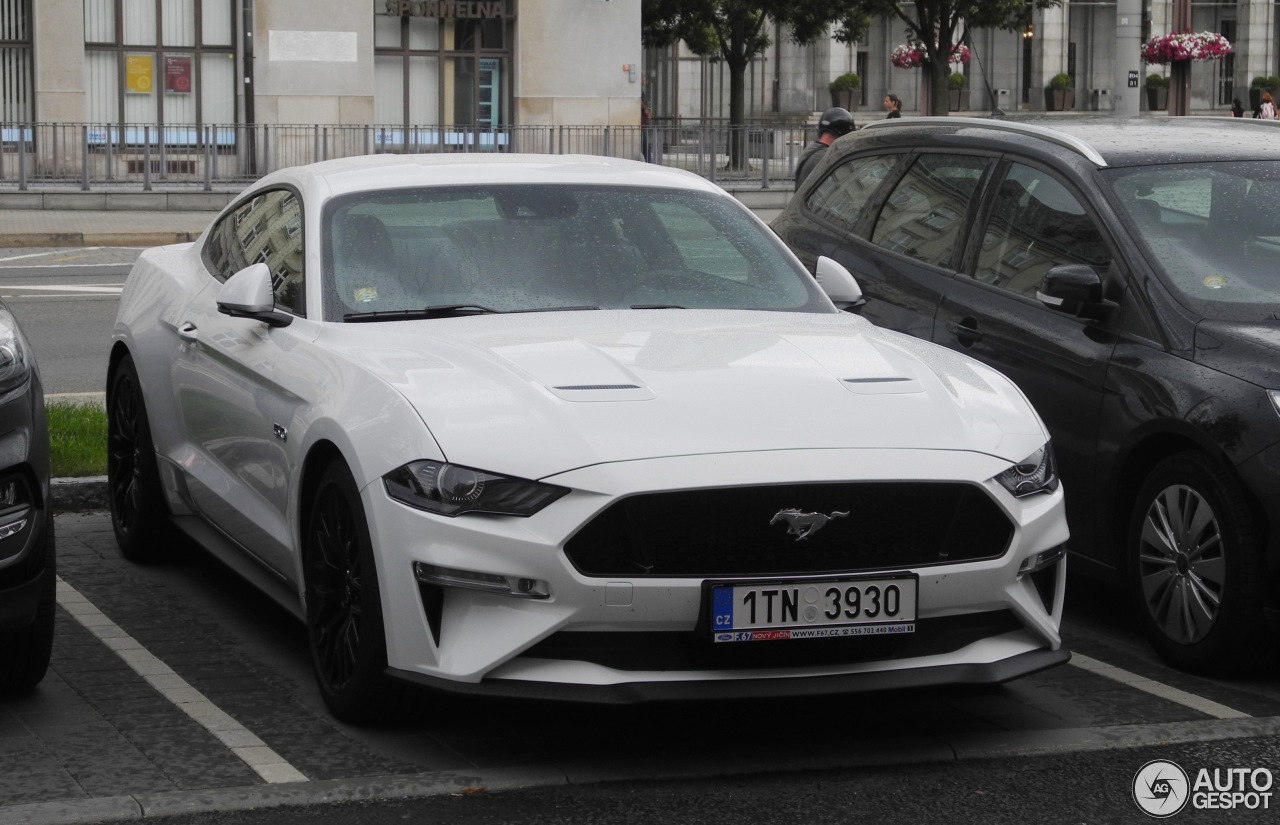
(75,495)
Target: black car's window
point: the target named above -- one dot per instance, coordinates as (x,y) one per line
(519,248)
(1036,223)
(924,214)
(267,229)
(1213,229)
(843,194)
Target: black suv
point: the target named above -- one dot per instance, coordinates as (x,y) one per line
(27,574)
(1126,275)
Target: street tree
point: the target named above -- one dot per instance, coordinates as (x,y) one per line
(937,26)
(737,31)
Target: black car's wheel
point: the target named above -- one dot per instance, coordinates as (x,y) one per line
(25,651)
(1196,566)
(139,514)
(344,606)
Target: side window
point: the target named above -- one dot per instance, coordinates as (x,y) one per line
(265,229)
(1036,224)
(924,214)
(843,194)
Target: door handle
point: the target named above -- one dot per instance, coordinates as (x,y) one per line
(966,331)
(187,331)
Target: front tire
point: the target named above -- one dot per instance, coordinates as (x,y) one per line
(139,515)
(1195,566)
(345,628)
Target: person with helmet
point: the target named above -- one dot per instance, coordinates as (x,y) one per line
(833,123)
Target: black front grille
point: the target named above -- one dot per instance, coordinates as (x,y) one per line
(640,651)
(728,532)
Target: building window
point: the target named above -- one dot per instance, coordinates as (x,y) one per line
(437,71)
(169,62)
(16,99)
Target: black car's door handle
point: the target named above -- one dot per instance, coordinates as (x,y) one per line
(966,331)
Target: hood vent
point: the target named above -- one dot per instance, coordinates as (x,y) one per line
(589,387)
(888,385)
(603,392)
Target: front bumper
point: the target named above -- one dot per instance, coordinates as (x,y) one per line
(485,642)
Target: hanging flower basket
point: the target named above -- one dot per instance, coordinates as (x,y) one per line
(1176,46)
(912,55)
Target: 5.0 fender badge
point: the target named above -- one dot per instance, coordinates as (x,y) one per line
(802,525)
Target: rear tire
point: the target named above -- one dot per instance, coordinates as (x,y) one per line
(25,651)
(139,515)
(1196,567)
(345,630)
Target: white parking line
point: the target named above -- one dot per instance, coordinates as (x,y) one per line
(1133,680)
(239,740)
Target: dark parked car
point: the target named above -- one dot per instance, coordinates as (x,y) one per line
(1126,275)
(26,519)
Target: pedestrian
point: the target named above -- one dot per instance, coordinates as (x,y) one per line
(833,123)
(1237,108)
(893,104)
(1267,108)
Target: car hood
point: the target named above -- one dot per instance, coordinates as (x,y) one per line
(1245,350)
(532,395)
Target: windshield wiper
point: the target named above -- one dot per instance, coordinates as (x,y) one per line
(656,306)
(439,311)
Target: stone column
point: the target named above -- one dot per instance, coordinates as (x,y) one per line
(1128,87)
(58,32)
(1049,56)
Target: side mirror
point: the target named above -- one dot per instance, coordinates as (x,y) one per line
(247,294)
(1074,289)
(838,283)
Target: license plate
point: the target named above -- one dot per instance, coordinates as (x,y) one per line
(813,608)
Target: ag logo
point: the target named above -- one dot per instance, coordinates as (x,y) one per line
(1161,788)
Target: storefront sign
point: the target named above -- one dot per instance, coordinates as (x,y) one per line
(460,9)
(139,74)
(177,74)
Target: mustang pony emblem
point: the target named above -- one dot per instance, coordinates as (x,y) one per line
(802,525)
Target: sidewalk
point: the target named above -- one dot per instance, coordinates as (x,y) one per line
(110,227)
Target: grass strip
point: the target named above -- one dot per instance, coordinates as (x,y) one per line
(78,438)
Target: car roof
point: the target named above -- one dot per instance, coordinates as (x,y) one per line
(1106,140)
(390,171)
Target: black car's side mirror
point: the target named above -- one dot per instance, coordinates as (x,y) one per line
(1074,289)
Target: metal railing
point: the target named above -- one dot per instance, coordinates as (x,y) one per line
(89,156)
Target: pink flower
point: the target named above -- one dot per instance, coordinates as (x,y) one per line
(1174,46)
(912,55)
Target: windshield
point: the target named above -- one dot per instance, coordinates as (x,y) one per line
(1214,230)
(442,251)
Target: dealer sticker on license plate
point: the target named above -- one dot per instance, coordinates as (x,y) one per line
(813,609)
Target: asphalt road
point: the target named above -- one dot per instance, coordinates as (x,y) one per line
(65,300)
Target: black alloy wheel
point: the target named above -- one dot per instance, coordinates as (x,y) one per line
(1196,566)
(344,607)
(139,515)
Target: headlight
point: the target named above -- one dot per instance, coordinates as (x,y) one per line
(14,364)
(451,490)
(1274,395)
(1036,473)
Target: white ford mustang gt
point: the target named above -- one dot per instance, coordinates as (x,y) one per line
(575,428)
